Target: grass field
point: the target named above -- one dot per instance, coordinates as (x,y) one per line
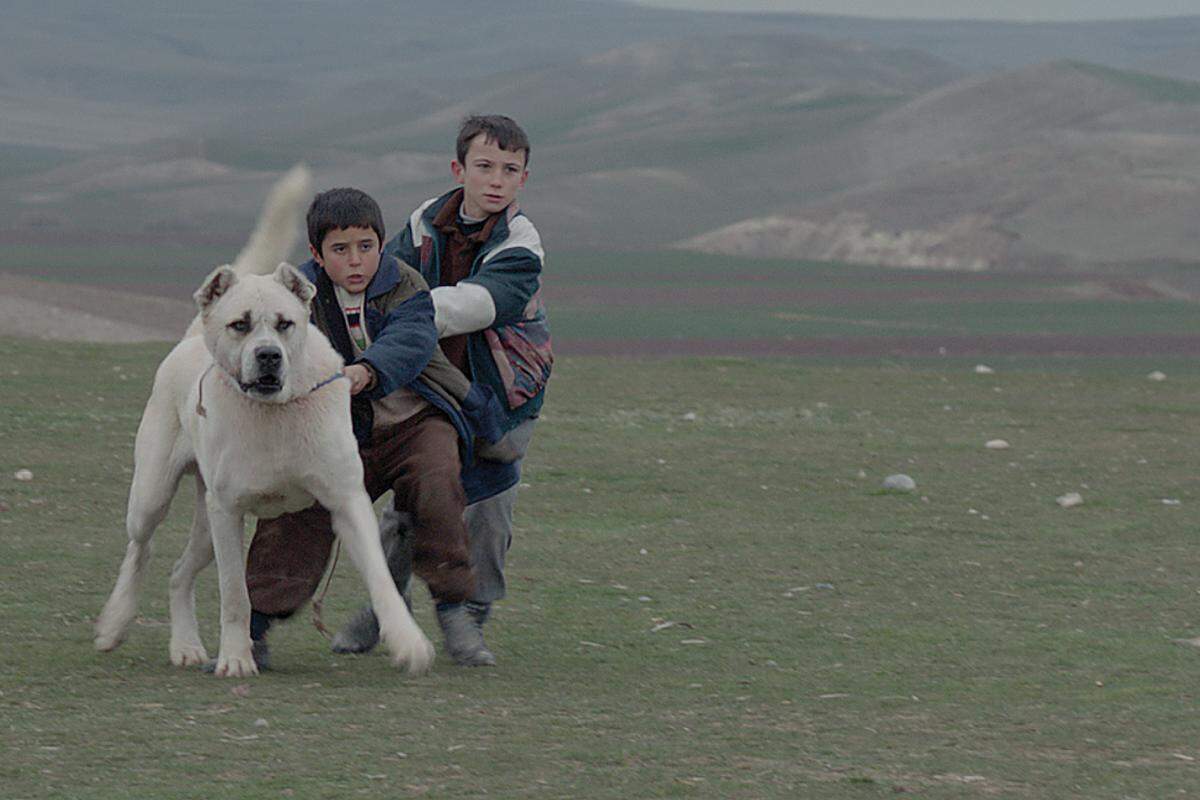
(711,596)
(672,302)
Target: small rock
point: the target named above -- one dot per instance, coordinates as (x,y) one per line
(996,444)
(862,473)
(690,416)
(261,723)
(1070,500)
(1157,376)
(899,482)
(983,369)
(1166,501)
(826,586)
(23,475)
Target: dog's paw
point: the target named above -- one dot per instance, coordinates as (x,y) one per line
(108,637)
(235,667)
(414,654)
(190,654)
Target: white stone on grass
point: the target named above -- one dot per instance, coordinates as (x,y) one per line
(23,475)
(1157,376)
(983,369)
(1070,500)
(899,482)
(996,444)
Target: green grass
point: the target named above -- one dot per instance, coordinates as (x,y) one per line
(928,319)
(830,639)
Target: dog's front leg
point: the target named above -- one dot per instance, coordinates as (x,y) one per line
(354,523)
(234,659)
(186,647)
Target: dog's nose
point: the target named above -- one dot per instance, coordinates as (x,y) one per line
(268,358)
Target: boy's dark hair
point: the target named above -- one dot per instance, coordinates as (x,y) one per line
(342,208)
(504,131)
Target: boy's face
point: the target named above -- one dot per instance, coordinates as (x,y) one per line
(349,256)
(490,177)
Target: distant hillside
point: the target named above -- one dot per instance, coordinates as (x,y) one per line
(1164,46)
(1058,164)
(683,125)
(965,145)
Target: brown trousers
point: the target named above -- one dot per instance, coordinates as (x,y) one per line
(418,459)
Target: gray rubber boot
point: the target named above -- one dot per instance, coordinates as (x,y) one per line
(361,633)
(464,636)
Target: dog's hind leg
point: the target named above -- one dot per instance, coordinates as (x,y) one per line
(186,647)
(234,659)
(355,525)
(156,474)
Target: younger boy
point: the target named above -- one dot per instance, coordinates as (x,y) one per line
(413,412)
(483,257)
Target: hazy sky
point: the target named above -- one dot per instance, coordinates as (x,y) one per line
(1032,10)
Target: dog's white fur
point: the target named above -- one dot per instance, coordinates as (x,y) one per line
(234,404)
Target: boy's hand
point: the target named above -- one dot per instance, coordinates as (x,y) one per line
(361,377)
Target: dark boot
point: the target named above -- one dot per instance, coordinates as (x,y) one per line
(361,633)
(464,636)
(259,625)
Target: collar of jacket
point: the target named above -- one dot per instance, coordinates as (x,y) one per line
(386,277)
(499,232)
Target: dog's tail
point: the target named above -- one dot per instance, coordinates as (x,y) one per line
(275,234)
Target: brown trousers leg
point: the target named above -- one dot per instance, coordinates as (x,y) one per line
(425,473)
(419,460)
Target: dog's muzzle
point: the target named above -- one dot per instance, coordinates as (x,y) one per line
(269,361)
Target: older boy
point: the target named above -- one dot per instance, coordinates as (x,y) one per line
(484,259)
(413,411)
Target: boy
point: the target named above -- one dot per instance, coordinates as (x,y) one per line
(484,259)
(412,412)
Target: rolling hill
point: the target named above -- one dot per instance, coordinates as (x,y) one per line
(1053,165)
(948,144)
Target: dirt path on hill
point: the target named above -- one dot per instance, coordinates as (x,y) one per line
(66,312)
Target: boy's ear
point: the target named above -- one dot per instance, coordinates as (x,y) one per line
(215,285)
(316,254)
(295,283)
(457,170)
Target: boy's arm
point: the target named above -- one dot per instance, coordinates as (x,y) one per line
(499,293)
(465,307)
(403,347)
(496,295)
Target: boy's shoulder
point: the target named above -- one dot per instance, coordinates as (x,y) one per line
(310,269)
(397,278)
(429,209)
(514,231)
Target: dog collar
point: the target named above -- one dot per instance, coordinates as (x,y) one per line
(200,410)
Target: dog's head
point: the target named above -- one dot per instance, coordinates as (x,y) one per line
(255,327)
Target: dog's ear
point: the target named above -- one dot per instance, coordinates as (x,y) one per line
(295,282)
(214,286)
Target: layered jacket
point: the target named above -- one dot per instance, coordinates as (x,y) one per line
(498,304)
(403,352)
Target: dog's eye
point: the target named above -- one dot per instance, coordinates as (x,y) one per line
(239,325)
(284,325)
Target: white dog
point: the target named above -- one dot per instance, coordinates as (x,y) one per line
(252,408)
